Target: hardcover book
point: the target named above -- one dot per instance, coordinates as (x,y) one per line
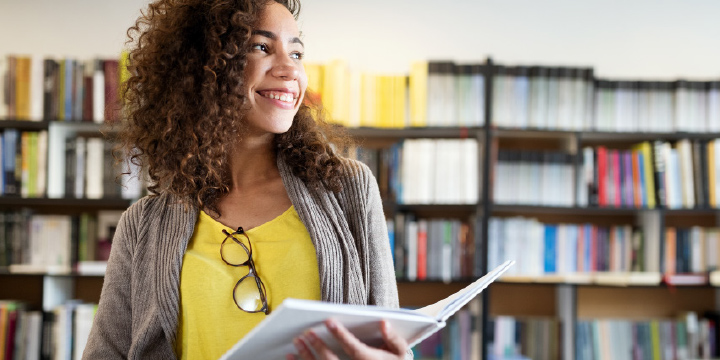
(272,338)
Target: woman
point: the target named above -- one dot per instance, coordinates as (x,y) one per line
(250,204)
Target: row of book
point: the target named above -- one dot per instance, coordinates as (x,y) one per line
(86,169)
(674,176)
(426,171)
(56,244)
(435,249)
(542,249)
(534,178)
(688,337)
(542,97)
(435,93)
(36,88)
(524,338)
(58,334)
(690,250)
(679,106)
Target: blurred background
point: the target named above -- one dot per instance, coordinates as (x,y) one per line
(640,39)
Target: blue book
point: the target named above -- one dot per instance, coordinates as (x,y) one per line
(571,247)
(69,77)
(550,248)
(391,236)
(643,188)
(588,247)
(10,140)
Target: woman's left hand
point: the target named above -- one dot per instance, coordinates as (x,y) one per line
(394,348)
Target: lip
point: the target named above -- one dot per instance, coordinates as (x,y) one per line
(278,103)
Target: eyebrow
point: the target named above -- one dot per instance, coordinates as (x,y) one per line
(272,36)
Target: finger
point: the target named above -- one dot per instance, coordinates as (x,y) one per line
(349,343)
(303,350)
(394,342)
(290,357)
(321,349)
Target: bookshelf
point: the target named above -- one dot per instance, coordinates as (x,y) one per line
(568,298)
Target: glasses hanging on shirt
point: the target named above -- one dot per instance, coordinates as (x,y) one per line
(249,292)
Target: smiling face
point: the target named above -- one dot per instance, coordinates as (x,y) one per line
(274,75)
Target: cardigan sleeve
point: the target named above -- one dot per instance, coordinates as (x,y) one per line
(110,336)
(383,286)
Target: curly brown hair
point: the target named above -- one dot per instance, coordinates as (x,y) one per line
(184,105)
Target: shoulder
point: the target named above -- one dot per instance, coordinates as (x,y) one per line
(152,205)
(356,174)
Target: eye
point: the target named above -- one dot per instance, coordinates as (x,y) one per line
(297,55)
(259,46)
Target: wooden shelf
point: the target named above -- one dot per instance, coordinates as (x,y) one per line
(24,125)
(64,203)
(414,133)
(565,210)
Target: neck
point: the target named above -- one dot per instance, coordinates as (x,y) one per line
(253,161)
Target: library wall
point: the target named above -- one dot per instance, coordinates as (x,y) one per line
(637,39)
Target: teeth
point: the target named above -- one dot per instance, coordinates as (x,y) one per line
(282,97)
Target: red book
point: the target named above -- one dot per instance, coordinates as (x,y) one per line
(422,250)
(602,176)
(637,186)
(10,333)
(617,184)
(112,90)
(580,249)
(88,99)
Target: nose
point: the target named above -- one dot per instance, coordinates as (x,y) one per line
(285,69)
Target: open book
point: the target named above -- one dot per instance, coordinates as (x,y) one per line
(272,338)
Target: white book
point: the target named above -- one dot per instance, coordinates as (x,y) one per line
(469,175)
(80,157)
(684,150)
(84,315)
(409,182)
(272,338)
(411,235)
(98,92)
(94,168)
(131,179)
(37,77)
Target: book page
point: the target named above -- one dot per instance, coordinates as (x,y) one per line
(443,309)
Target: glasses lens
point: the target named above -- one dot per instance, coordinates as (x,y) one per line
(247,294)
(234,253)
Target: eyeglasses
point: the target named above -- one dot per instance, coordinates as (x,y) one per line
(249,296)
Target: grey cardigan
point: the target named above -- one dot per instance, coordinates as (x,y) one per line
(137,317)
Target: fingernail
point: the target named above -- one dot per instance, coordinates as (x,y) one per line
(331,324)
(298,344)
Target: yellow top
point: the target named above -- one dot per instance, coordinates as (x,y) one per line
(209,322)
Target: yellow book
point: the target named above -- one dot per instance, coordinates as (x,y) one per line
(314,74)
(368,97)
(384,102)
(655,338)
(336,91)
(711,173)
(22,88)
(645,150)
(399,104)
(418,93)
